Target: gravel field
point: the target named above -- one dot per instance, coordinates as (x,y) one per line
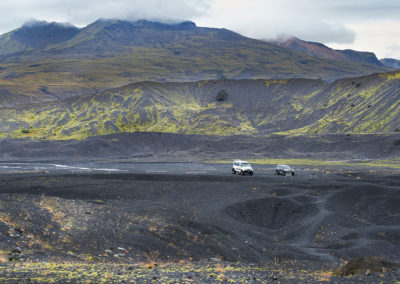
(201,224)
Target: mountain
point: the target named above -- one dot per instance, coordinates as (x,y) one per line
(322,51)
(35,36)
(105,36)
(368,104)
(390,62)
(112,53)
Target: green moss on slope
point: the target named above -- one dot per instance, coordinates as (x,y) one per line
(252,107)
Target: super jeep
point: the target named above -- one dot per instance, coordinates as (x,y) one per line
(241,167)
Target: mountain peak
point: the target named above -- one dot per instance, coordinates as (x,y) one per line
(391,62)
(36,35)
(152,24)
(320,50)
(39,24)
(119,35)
(140,24)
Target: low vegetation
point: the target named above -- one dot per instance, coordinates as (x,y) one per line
(222,107)
(393,163)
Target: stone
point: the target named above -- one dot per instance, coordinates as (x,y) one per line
(17,250)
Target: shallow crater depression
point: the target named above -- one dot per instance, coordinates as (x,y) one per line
(272,212)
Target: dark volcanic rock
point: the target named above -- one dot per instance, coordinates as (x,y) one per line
(221,96)
(366,265)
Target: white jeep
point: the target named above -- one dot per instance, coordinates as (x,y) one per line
(241,167)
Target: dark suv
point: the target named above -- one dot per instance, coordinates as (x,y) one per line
(284,170)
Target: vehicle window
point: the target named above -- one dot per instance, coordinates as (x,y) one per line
(286,167)
(245,165)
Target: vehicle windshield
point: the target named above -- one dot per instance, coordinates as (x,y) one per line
(245,165)
(286,167)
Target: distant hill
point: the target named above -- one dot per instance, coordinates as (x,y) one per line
(322,51)
(35,35)
(106,54)
(220,107)
(390,62)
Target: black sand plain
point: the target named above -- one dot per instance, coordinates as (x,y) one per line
(216,219)
(201,226)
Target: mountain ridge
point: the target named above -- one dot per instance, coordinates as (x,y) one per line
(391,62)
(320,50)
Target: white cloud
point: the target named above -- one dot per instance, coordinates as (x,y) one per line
(15,13)
(343,23)
(340,23)
(269,19)
(382,37)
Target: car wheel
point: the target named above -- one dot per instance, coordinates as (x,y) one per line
(251,173)
(277,172)
(233,171)
(292,174)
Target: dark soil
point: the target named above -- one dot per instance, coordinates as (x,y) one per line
(167,146)
(202,219)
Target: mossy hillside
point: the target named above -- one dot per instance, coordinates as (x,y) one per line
(251,107)
(362,105)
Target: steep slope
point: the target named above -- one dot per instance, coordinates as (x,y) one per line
(35,36)
(368,104)
(113,53)
(224,107)
(390,62)
(189,108)
(322,51)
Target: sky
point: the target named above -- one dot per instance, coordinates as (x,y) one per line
(364,25)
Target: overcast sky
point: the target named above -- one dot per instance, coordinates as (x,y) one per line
(365,25)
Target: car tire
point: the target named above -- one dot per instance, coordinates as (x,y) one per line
(251,173)
(277,172)
(292,174)
(233,171)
